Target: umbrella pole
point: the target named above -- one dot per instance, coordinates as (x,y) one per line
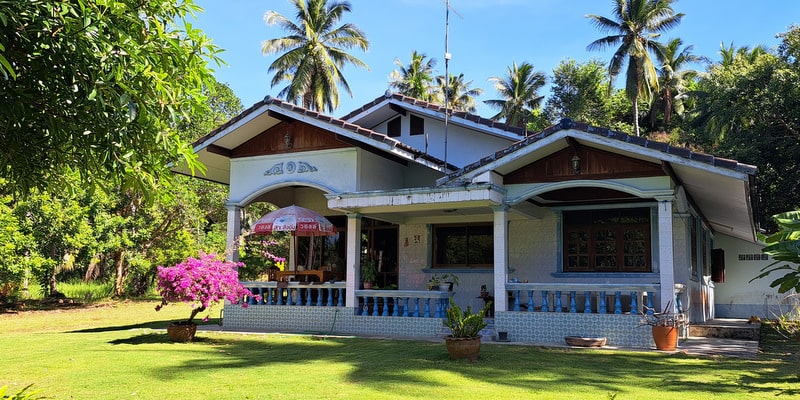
(310,258)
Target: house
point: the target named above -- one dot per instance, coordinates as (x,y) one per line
(573,229)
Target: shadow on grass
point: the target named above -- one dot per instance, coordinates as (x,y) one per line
(146,325)
(385,365)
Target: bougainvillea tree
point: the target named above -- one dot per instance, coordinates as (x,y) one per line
(200,282)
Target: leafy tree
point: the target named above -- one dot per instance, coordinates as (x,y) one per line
(579,91)
(784,247)
(519,91)
(314,53)
(635,26)
(458,93)
(97,87)
(416,79)
(731,53)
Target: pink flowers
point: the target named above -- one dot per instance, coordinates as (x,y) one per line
(200,282)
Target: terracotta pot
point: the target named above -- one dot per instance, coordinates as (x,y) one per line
(367,285)
(463,347)
(181,332)
(665,337)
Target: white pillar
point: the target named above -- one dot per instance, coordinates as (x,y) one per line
(353,271)
(500,257)
(666,268)
(233,232)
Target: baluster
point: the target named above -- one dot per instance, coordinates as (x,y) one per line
(385,306)
(573,308)
(678,302)
(329,302)
(269,296)
(545,306)
(602,303)
(395,312)
(407,307)
(530,300)
(279,294)
(617,303)
(290,297)
(634,303)
(320,297)
(427,308)
(416,306)
(516,300)
(558,301)
(300,300)
(375,311)
(251,299)
(340,292)
(650,303)
(309,302)
(261,295)
(587,302)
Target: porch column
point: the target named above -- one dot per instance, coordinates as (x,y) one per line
(234,230)
(353,258)
(500,257)
(666,269)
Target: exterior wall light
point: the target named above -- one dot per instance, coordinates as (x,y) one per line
(576,164)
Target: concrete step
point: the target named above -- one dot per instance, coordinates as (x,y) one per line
(726,329)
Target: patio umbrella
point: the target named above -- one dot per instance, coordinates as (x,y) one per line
(297,220)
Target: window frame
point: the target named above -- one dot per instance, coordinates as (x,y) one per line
(416,125)
(436,239)
(647,229)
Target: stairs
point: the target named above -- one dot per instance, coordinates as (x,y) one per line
(726,329)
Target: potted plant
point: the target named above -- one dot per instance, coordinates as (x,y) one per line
(664,326)
(464,340)
(369,272)
(198,282)
(444,282)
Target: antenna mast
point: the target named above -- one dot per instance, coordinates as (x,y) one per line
(446,75)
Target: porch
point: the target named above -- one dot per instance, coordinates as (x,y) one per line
(537,313)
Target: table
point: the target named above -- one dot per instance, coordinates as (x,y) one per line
(322,276)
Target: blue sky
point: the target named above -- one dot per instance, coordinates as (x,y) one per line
(485,37)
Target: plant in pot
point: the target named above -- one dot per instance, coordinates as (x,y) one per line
(198,282)
(464,340)
(444,282)
(665,326)
(369,272)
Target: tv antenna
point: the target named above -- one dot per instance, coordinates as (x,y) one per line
(447,57)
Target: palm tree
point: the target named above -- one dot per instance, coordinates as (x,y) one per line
(673,78)
(415,80)
(313,53)
(459,95)
(635,27)
(731,53)
(519,91)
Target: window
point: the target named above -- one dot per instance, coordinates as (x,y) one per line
(463,246)
(616,240)
(393,127)
(417,125)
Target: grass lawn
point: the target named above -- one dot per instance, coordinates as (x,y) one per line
(120,350)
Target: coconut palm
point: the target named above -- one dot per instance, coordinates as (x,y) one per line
(673,77)
(634,28)
(416,79)
(313,53)
(519,91)
(730,53)
(459,95)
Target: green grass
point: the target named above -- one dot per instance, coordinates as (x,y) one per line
(119,350)
(86,291)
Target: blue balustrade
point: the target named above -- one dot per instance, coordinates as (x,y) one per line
(552,294)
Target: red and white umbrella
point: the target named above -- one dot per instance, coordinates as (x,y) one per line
(298,220)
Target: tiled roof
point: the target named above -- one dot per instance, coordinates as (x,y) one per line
(437,108)
(417,154)
(566,123)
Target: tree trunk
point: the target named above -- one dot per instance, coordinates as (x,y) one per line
(94,269)
(121,272)
(636,114)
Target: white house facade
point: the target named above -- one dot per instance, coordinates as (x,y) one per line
(572,230)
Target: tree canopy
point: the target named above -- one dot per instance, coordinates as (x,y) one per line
(97,88)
